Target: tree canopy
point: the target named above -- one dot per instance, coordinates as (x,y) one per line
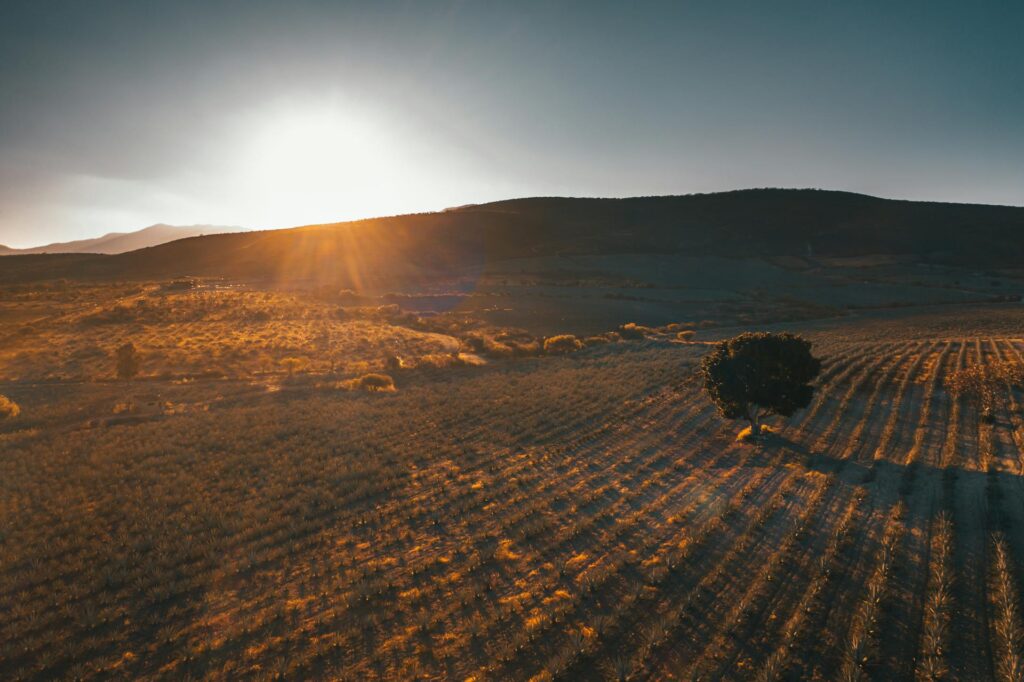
(754,375)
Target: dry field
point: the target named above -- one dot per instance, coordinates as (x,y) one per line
(586,516)
(214,330)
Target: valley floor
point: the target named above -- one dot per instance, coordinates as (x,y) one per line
(588,516)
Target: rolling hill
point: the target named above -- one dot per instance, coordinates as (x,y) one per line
(122,242)
(743,223)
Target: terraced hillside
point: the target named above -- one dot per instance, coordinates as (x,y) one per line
(578,517)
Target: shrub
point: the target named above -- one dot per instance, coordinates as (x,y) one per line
(494,349)
(8,408)
(183,284)
(375,382)
(564,343)
(631,331)
(382,312)
(127,362)
(980,385)
(441,360)
(475,343)
(596,341)
(347,296)
(686,335)
(293,365)
(524,348)
(482,344)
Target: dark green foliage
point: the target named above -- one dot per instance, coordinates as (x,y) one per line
(758,374)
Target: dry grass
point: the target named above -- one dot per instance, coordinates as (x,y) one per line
(8,408)
(212,332)
(580,517)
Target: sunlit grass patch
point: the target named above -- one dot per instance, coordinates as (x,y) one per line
(8,408)
(747,434)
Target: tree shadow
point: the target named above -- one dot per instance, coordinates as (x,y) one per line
(902,481)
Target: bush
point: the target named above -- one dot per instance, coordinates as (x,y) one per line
(8,408)
(686,335)
(564,343)
(475,343)
(481,344)
(524,348)
(347,296)
(375,382)
(184,284)
(980,385)
(381,312)
(127,362)
(442,360)
(632,331)
(493,349)
(293,365)
(596,341)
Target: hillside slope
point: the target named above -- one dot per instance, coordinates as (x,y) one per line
(122,242)
(768,222)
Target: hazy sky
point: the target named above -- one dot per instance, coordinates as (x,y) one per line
(116,115)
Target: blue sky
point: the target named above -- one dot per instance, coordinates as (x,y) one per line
(117,115)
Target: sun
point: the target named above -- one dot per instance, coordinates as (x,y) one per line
(317,163)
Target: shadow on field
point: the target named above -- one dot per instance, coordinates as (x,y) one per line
(893,481)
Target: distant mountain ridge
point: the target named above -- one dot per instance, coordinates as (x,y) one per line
(402,249)
(122,242)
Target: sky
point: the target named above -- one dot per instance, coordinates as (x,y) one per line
(118,115)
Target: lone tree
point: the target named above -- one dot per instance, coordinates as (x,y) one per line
(755,375)
(127,362)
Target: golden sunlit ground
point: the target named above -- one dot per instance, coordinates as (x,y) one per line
(526,515)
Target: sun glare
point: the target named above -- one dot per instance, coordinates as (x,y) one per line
(317,164)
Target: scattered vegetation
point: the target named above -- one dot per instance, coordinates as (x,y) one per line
(935,631)
(1009,631)
(579,517)
(981,384)
(634,332)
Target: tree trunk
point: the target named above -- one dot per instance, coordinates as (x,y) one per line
(755,424)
